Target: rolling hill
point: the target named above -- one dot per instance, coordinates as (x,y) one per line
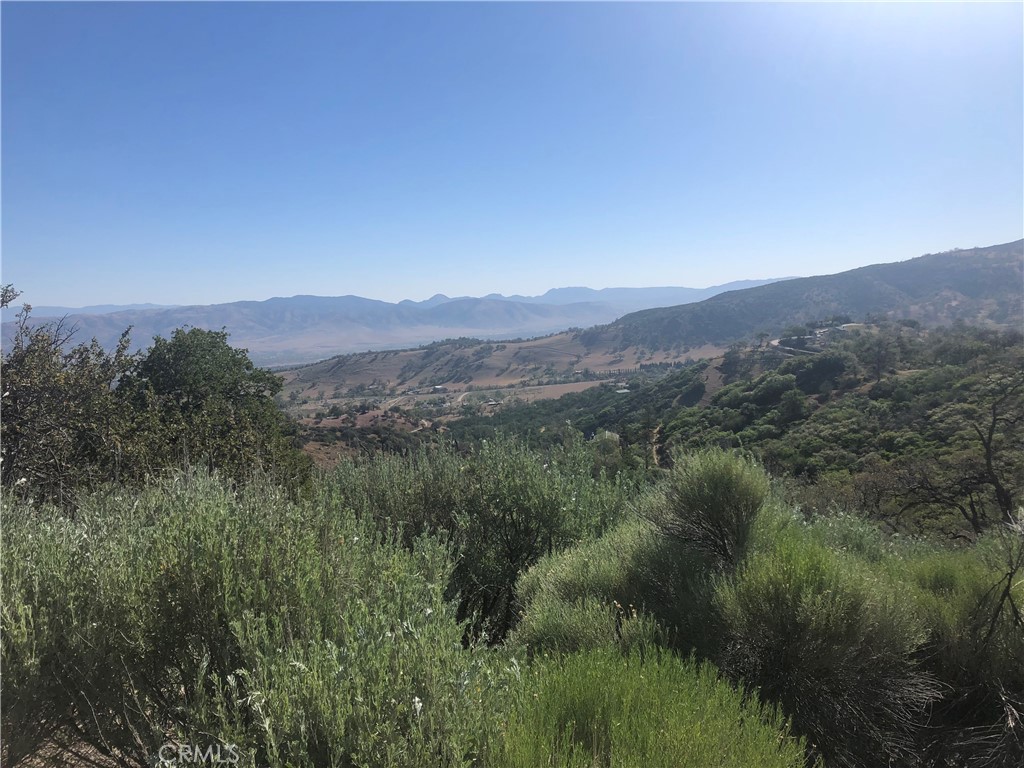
(980,286)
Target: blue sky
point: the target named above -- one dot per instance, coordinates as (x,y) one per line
(199,153)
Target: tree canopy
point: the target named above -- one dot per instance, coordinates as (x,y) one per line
(75,416)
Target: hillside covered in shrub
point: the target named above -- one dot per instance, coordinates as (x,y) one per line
(979,286)
(920,429)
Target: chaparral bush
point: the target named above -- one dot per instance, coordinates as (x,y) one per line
(339,628)
(711,502)
(606,584)
(188,613)
(833,644)
(503,507)
(599,708)
(972,602)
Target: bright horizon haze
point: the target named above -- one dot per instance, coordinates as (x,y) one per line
(200,153)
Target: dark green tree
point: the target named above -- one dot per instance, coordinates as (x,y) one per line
(201,401)
(878,352)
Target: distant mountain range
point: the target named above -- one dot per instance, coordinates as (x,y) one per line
(302,329)
(624,300)
(978,286)
(8,313)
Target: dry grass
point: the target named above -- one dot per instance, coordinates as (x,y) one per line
(493,365)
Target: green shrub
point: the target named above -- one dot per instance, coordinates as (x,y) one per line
(606,567)
(76,417)
(569,626)
(832,644)
(711,502)
(854,535)
(633,566)
(503,507)
(186,612)
(975,647)
(600,709)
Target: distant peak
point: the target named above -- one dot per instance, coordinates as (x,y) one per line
(433,301)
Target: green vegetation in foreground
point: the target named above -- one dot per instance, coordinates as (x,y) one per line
(502,507)
(321,631)
(598,708)
(185,612)
(308,635)
(881,650)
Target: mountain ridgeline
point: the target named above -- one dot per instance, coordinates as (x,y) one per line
(981,286)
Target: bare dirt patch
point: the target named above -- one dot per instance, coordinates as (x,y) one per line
(713,381)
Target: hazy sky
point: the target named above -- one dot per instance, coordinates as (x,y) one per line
(199,153)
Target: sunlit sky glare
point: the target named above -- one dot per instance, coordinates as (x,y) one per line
(192,153)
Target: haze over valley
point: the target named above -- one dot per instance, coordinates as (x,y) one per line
(302,329)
